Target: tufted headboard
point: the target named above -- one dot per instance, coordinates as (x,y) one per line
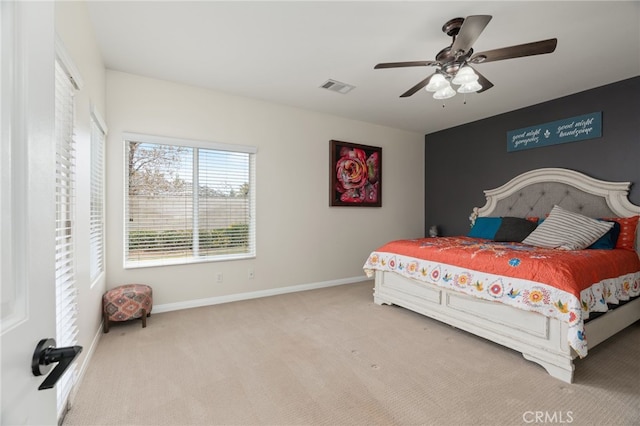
(535,192)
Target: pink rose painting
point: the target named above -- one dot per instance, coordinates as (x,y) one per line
(356,174)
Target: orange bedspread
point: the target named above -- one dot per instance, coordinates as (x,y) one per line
(569,270)
(563,284)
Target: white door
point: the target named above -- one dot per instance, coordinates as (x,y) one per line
(27,207)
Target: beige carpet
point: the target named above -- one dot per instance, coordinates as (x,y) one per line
(333,357)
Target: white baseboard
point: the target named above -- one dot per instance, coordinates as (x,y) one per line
(167,307)
(85,364)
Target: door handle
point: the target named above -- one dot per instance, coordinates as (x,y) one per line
(46,354)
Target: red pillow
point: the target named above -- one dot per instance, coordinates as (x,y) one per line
(627,237)
(533,219)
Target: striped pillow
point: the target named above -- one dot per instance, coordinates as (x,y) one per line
(567,231)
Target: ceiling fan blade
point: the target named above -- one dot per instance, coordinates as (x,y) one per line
(482,81)
(471,29)
(417,87)
(405,64)
(527,49)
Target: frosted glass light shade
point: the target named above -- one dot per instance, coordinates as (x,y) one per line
(472,87)
(445,93)
(436,83)
(465,75)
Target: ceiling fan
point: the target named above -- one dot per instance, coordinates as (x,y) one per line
(454,61)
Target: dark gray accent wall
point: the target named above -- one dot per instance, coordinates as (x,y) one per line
(462,161)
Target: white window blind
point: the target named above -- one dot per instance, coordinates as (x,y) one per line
(96,208)
(187,202)
(66,309)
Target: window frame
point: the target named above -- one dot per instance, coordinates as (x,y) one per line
(128,137)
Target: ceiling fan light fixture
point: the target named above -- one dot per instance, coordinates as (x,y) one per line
(436,83)
(472,87)
(465,76)
(444,93)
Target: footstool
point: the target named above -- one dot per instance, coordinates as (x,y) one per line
(127,302)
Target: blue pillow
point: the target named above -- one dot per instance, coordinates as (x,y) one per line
(608,240)
(485,227)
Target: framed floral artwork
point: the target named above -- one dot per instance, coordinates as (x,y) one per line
(356,175)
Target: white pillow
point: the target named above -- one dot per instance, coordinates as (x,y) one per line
(566,230)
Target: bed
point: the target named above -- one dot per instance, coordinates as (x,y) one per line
(549,325)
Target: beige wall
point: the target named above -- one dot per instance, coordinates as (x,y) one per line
(300,239)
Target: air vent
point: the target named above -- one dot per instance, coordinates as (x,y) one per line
(337,86)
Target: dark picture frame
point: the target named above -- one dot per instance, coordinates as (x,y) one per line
(356,175)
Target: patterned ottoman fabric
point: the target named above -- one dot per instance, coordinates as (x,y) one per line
(127,302)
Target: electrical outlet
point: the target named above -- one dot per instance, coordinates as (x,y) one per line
(219,277)
(252,274)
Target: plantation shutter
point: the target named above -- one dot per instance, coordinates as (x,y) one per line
(96,208)
(66,294)
(188,203)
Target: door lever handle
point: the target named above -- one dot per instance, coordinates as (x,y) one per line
(46,354)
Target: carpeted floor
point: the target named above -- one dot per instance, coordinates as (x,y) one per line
(333,357)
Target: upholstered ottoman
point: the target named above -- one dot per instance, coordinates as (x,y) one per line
(127,302)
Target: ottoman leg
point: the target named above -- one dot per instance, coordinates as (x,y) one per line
(105,322)
(144,319)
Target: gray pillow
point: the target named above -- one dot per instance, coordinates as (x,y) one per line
(514,229)
(566,230)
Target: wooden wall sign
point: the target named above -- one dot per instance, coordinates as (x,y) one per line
(572,129)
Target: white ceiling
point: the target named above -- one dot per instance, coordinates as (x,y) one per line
(282,52)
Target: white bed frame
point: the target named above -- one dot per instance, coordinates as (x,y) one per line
(540,339)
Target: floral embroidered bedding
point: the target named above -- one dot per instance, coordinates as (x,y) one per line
(563,284)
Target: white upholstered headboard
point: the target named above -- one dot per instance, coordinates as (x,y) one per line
(534,193)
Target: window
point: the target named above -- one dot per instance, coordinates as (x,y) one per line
(187,201)
(66,293)
(96,208)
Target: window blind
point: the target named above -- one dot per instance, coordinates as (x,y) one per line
(96,208)
(188,203)
(65,275)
